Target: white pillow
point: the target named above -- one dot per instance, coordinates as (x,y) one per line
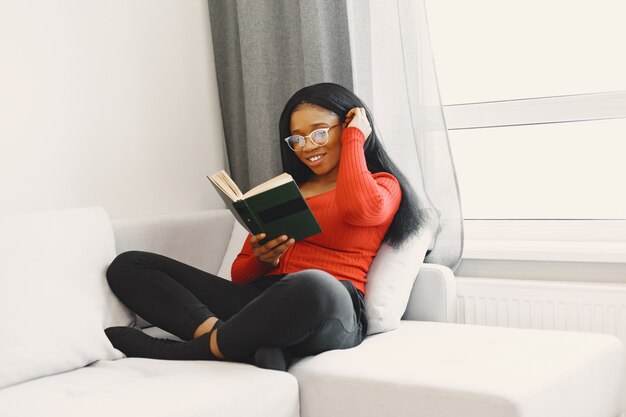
(390,280)
(54,298)
(235,244)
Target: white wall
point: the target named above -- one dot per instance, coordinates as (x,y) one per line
(110,103)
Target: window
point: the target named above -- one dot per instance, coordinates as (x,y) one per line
(548,171)
(534,95)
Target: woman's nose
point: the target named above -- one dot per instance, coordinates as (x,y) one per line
(308,145)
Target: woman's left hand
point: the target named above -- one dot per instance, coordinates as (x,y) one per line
(357,118)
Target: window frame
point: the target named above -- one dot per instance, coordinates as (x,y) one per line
(552,240)
(539,110)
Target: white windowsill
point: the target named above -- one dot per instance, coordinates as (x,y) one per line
(594,241)
(554,251)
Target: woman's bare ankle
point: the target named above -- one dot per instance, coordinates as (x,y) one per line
(205,327)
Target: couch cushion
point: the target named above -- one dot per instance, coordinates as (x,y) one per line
(446,370)
(196,238)
(54,298)
(237,239)
(147,387)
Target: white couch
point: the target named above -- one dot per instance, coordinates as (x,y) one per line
(429,366)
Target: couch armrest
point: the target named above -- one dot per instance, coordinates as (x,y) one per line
(433,297)
(197,238)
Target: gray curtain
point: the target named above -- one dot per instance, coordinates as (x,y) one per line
(266,50)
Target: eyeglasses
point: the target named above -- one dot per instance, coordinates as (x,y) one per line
(318,137)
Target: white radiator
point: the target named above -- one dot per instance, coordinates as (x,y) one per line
(584,307)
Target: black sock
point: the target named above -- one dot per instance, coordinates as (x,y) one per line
(272,358)
(136,344)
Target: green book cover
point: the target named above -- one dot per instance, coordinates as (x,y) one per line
(275,207)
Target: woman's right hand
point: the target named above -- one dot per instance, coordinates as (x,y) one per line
(357,117)
(271,251)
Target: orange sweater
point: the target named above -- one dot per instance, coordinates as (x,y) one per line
(354,218)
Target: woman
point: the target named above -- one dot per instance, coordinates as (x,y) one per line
(286,298)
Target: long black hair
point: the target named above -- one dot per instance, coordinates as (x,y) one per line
(340,100)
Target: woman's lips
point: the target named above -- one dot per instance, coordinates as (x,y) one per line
(317,159)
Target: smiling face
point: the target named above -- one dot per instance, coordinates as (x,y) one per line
(322,160)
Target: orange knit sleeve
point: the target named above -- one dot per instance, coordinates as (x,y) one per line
(363,198)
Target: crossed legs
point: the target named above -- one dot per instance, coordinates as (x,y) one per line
(307,312)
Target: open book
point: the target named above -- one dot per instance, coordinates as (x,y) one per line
(275,207)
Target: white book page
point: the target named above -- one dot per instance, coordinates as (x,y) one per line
(231,184)
(283,178)
(226,184)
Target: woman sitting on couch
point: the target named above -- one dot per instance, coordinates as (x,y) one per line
(286,298)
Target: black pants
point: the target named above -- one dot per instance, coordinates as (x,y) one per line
(307,312)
